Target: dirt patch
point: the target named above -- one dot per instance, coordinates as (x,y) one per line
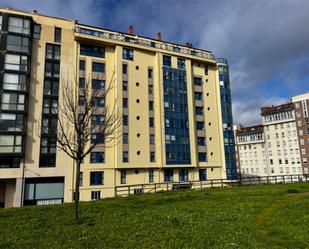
(301,194)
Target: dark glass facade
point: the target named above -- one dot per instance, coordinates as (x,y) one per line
(50,106)
(227,120)
(177,142)
(15,61)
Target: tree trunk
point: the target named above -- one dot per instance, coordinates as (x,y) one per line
(76,192)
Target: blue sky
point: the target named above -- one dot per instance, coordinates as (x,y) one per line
(265,41)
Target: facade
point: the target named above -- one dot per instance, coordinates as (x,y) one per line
(281,139)
(301,105)
(227,119)
(251,151)
(271,148)
(168,96)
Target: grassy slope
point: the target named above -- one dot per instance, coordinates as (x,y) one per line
(245,217)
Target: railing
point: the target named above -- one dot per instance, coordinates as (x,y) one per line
(221,60)
(139,189)
(145,42)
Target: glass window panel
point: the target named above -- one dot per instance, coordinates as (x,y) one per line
(49,51)
(49,190)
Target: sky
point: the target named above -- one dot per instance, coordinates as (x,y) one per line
(265,41)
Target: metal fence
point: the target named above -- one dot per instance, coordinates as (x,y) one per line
(139,189)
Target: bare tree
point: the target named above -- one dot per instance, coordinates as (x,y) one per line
(84,119)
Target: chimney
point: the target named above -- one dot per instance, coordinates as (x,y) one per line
(189,45)
(158,36)
(76,21)
(131,30)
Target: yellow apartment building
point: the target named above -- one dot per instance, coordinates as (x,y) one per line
(168,95)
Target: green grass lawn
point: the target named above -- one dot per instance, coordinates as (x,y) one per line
(268,216)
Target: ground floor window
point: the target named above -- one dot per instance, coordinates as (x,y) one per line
(168,175)
(151,176)
(203,174)
(183,175)
(95,195)
(44,191)
(123,177)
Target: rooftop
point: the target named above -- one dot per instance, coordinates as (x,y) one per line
(249,130)
(276,109)
(300,97)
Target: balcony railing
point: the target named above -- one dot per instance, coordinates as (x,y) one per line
(145,42)
(222,60)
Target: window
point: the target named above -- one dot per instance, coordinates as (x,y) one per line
(82,65)
(98,84)
(57,35)
(50,106)
(125,120)
(152,156)
(181,64)
(11,122)
(81,100)
(150,89)
(99,102)
(271,161)
(97,138)
(125,103)
(123,176)
(95,195)
(183,175)
(150,105)
(201,141)
(125,156)
(18,44)
(125,138)
(49,125)
(150,73)
(93,51)
(203,174)
(97,178)
(152,139)
(36,31)
(124,69)
(13,102)
(151,122)
(52,52)
(125,85)
(52,69)
(202,157)
(1,17)
(198,96)
(51,87)
(200,126)
(97,157)
(98,67)
(199,110)
(168,175)
(167,61)
(48,145)
(82,82)
(97,119)
(81,176)
(197,81)
(206,69)
(16,62)
(14,82)
(10,143)
(127,54)
(151,176)
(19,25)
